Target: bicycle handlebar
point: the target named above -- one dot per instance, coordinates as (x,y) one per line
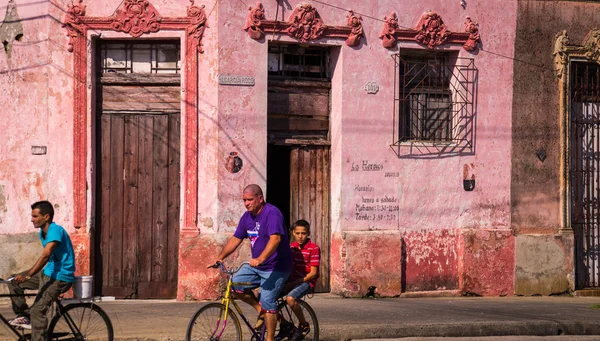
(223,269)
(8,280)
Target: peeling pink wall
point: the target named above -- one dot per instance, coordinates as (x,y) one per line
(35,83)
(426,206)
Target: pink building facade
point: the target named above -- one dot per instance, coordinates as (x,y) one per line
(388,127)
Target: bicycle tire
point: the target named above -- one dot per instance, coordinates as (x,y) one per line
(309,314)
(80,321)
(206,323)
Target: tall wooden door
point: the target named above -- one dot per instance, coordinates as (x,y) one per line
(309,199)
(138,204)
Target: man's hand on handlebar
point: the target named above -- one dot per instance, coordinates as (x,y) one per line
(217,264)
(254,262)
(21,278)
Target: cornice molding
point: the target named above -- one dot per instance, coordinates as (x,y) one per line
(304,24)
(430,32)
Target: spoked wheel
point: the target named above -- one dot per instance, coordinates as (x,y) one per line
(209,324)
(80,321)
(287,316)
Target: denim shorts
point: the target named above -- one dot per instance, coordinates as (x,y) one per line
(300,290)
(270,282)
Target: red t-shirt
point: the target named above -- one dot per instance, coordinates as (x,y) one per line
(302,260)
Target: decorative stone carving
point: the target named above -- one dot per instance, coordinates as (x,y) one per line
(432,30)
(11,28)
(559,53)
(472,28)
(136,17)
(254,21)
(72,20)
(354,21)
(198,24)
(388,34)
(591,45)
(306,23)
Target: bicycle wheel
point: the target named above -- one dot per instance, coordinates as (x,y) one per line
(80,321)
(286,313)
(208,325)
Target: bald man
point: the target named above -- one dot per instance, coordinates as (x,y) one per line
(271,262)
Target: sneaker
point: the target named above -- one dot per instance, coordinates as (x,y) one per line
(260,321)
(300,333)
(286,330)
(20,322)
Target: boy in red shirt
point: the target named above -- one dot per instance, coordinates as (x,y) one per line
(306,259)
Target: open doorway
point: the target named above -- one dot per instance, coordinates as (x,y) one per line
(298,161)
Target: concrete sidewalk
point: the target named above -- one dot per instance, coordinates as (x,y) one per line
(347,319)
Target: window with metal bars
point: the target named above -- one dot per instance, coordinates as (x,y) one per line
(156,57)
(434,98)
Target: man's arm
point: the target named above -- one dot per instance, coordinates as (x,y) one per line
(39,265)
(230,246)
(272,245)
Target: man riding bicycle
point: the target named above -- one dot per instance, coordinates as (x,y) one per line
(264,226)
(58,262)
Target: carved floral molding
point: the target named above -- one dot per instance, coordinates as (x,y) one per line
(563,50)
(136,18)
(304,24)
(430,31)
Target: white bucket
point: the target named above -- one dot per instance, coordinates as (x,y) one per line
(82,288)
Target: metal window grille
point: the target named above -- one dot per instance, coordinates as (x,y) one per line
(140,57)
(584,170)
(294,61)
(434,98)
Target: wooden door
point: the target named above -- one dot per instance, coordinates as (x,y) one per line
(138,204)
(309,199)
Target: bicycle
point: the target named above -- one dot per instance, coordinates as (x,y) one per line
(218,322)
(73,321)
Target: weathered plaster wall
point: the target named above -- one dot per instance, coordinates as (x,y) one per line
(536,184)
(428,203)
(544,264)
(35,82)
(433,235)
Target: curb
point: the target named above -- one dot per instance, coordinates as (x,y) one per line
(472,329)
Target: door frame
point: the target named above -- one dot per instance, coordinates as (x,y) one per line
(189,29)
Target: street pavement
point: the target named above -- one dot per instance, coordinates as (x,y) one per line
(386,318)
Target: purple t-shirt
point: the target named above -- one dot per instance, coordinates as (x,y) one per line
(258,229)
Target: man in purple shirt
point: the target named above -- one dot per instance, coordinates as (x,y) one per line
(271,262)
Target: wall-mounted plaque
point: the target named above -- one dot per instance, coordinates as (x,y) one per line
(38,150)
(236,80)
(371,88)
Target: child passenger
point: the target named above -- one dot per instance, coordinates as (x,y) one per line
(305,271)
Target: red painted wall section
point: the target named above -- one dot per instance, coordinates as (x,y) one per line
(195,280)
(431,260)
(360,260)
(196,253)
(488,261)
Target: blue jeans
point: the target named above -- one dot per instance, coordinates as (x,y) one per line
(270,282)
(300,290)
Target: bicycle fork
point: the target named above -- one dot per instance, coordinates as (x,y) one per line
(216,334)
